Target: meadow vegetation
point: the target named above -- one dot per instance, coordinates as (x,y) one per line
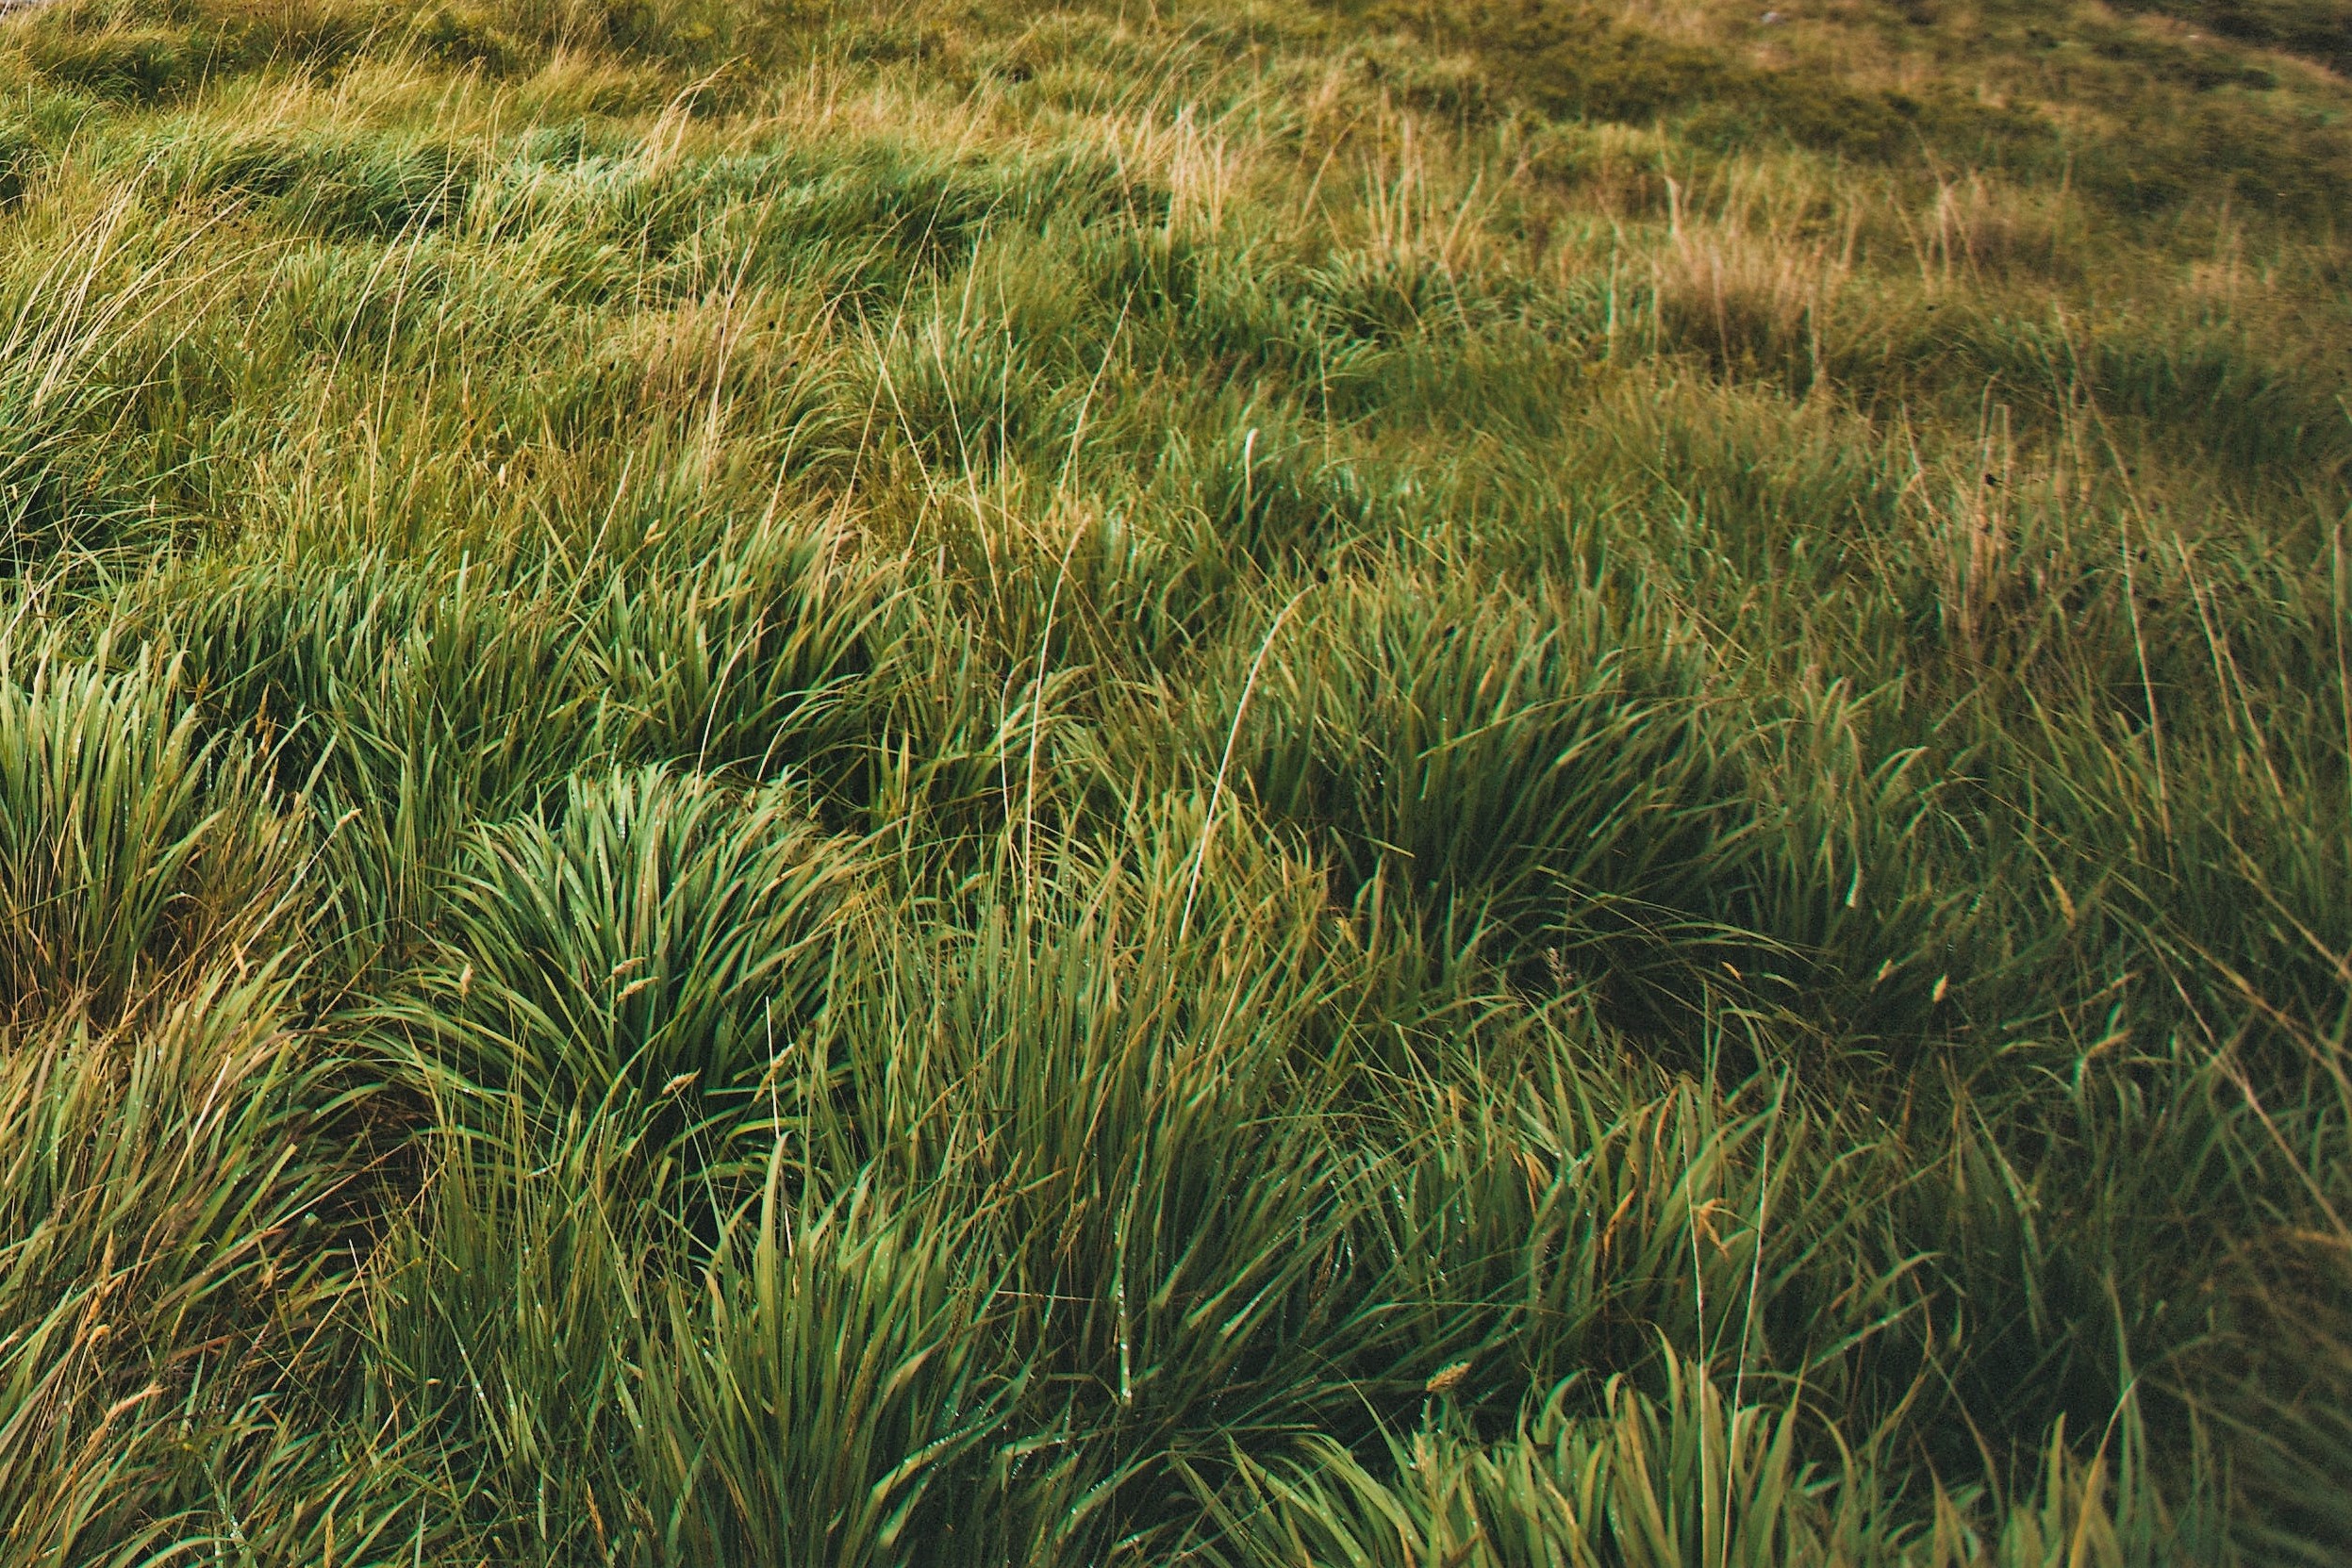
(1367,782)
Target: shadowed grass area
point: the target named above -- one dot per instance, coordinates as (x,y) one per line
(1367,783)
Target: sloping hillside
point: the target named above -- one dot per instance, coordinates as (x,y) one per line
(1175,780)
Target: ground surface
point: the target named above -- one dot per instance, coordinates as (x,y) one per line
(1375,783)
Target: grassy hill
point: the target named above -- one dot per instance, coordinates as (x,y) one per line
(1362,782)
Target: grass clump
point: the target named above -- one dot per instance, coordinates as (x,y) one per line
(916,784)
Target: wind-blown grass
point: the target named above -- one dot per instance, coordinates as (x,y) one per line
(875,784)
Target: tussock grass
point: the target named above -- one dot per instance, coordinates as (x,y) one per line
(872,784)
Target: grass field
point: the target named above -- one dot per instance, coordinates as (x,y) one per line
(1350,783)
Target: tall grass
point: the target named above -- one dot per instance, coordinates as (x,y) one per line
(891,784)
